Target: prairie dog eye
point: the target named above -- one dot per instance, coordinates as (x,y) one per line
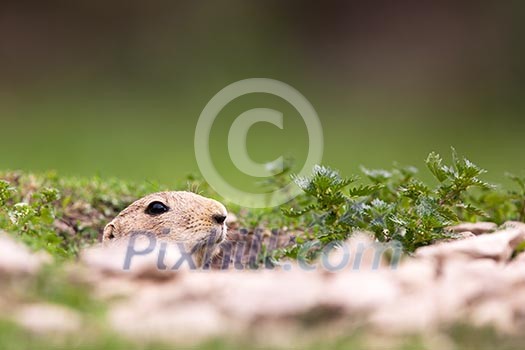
(156,208)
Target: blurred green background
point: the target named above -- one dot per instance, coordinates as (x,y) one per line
(115,88)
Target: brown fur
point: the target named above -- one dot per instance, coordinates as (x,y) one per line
(190,220)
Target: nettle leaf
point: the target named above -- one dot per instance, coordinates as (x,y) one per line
(464,167)
(364,190)
(483,185)
(355,214)
(297,213)
(398,220)
(379,212)
(396,205)
(448,213)
(380,205)
(414,189)
(436,167)
(322,182)
(472,170)
(473,210)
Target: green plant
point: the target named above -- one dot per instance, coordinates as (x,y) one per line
(32,219)
(394,206)
(61,214)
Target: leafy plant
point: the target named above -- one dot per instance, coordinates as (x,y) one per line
(395,205)
(63,214)
(32,219)
(61,221)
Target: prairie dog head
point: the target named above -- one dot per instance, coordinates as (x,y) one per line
(173,216)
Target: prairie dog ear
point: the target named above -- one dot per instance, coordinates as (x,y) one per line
(109,232)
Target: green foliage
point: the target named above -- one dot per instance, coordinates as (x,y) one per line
(32,218)
(60,215)
(397,206)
